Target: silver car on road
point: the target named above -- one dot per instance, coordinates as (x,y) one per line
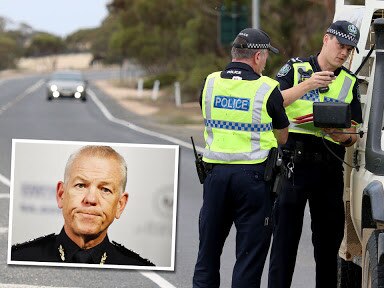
(67,84)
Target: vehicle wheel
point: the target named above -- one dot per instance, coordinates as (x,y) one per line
(348,274)
(373,273)
(49,98)
(83,99)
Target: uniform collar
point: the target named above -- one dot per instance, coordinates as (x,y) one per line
(67,249)
(246,71)
(239,66)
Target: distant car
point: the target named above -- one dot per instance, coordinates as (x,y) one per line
(67,84)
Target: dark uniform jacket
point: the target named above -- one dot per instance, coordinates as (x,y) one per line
(60,248)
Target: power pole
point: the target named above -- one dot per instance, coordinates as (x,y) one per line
(255,14)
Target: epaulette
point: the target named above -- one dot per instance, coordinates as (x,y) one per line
(34,241)
(131,254)
(296,60)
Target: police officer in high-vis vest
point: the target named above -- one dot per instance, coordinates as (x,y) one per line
(315,163)
(244,118)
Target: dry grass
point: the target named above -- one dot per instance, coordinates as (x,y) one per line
(48,63)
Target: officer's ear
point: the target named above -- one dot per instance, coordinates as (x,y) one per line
(327,37)
(257,56)
(121,204)
(59,194)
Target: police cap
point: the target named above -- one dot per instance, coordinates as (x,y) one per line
(345,32)
(256,39)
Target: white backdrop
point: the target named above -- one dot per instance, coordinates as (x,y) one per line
(148,223)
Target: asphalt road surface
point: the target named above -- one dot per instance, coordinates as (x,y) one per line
(25,114)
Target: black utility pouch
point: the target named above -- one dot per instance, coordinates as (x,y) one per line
(271,164)
(275,171)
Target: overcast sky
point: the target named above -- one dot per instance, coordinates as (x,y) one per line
(59,17)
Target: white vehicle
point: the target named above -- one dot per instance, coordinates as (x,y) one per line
(361,255)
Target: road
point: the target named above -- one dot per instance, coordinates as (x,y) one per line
(25,114)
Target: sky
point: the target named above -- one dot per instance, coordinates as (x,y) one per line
(59,17)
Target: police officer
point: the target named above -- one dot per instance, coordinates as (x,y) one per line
(91,197)
(317,174)
(243,115)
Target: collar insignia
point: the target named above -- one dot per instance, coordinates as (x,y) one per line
(62,255)
(103,258)
(61,251)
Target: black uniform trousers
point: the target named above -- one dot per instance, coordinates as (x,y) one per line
(320,182)
(234,193)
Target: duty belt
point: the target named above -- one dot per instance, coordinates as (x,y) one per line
(298,156)
(208,166)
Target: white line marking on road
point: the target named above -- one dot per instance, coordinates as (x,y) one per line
(157,279)
(150,275)
(4,180)
(31,89)
(4,196)
(132,126)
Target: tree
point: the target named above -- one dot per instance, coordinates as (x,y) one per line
(100,44)
(8,48)
(43,44)
(81,40)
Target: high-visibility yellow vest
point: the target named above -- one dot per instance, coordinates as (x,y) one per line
(238,129)
(340,90)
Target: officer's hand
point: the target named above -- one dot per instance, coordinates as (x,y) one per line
(321,79)
(336,134)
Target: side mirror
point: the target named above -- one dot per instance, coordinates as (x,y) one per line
(331,115)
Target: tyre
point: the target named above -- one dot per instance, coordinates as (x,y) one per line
(373,273)
(348,274)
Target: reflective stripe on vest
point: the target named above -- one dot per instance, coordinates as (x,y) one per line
(256,154)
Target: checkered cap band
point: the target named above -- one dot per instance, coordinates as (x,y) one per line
(238,125)
(343,35)
(257,46)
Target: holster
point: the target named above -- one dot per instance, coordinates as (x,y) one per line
(270,166)
(275,170)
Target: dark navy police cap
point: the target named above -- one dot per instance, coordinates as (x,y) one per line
(256,39)
(345,32)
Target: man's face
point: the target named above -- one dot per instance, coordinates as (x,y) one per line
(91,198)
(336,52)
